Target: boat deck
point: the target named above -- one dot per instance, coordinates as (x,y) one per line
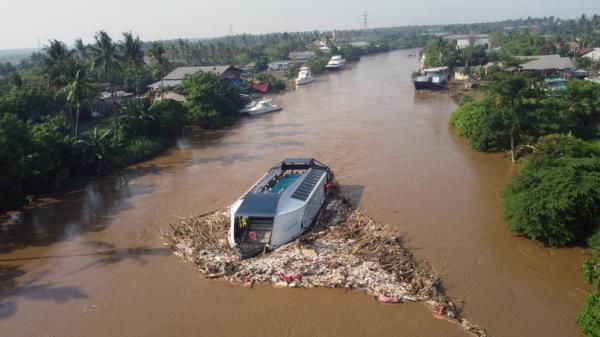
(285,182)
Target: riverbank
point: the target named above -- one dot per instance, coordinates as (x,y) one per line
(344,249)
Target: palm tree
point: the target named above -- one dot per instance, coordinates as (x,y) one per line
(82,50)
(55,61)
(107,58)
(157,52)
(78,89)
(133,55)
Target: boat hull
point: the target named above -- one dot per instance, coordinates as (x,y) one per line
(304,81)
(430,86)
(262,111)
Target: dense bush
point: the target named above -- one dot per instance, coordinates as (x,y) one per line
(55,157)
(515,107)
(210,101)
(589,318)
(14,149)
(467,118)
(292,70)
(275,84)
(556,196)
(557,202)
(317,64)
(140,149)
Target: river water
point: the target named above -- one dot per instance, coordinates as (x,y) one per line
(91,262)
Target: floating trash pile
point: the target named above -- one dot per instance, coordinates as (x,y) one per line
(344,249)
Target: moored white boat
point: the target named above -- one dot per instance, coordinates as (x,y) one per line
(260,107)
(336,62)
(280,206)
(304,76)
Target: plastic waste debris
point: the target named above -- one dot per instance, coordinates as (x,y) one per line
(344,249)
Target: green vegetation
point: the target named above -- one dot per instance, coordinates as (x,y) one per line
(42,148)
(275,84)
(317,65)
(556,196)
(211,102)
(516,111)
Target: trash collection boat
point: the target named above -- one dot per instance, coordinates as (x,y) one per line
(336,62)
(279,207)
(304,76)
(260,107)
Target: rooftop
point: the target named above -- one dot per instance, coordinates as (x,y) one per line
(181,72)
(301,55)
(546,62)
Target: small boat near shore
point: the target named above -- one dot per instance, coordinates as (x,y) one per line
(260,107)
(304,76)
(279,207)
(433,79)
(336,63)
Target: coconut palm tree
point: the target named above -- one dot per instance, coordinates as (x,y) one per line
(78,89)
(106,57)
(56,61)
(133,55)
(158,53)
(82,50)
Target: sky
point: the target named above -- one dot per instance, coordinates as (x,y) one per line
(31,23)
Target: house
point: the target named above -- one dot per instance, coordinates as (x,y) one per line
(593,54)
(279,65)
(171,95)
(301,55)
(360,44)
(471,40)
(546,63)
(464,73)
(174,78)
(249,67)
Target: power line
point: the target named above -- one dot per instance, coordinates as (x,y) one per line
(365,20)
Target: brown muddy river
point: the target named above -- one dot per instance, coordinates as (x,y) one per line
(91,262)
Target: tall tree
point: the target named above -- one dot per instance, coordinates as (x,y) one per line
(157,52)
(82,50)
(56,63)
(133,55)
(107,58)
(78,89)
(513,95)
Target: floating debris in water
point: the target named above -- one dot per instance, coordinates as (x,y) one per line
(345,248)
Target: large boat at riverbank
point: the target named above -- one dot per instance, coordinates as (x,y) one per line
(433,79)
(260,107)
(279,207)
(304,76)
(336,62)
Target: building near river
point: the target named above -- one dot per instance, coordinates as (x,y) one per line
(470,40)
(546,64)
(302,55)
(593,54)
(174,78)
